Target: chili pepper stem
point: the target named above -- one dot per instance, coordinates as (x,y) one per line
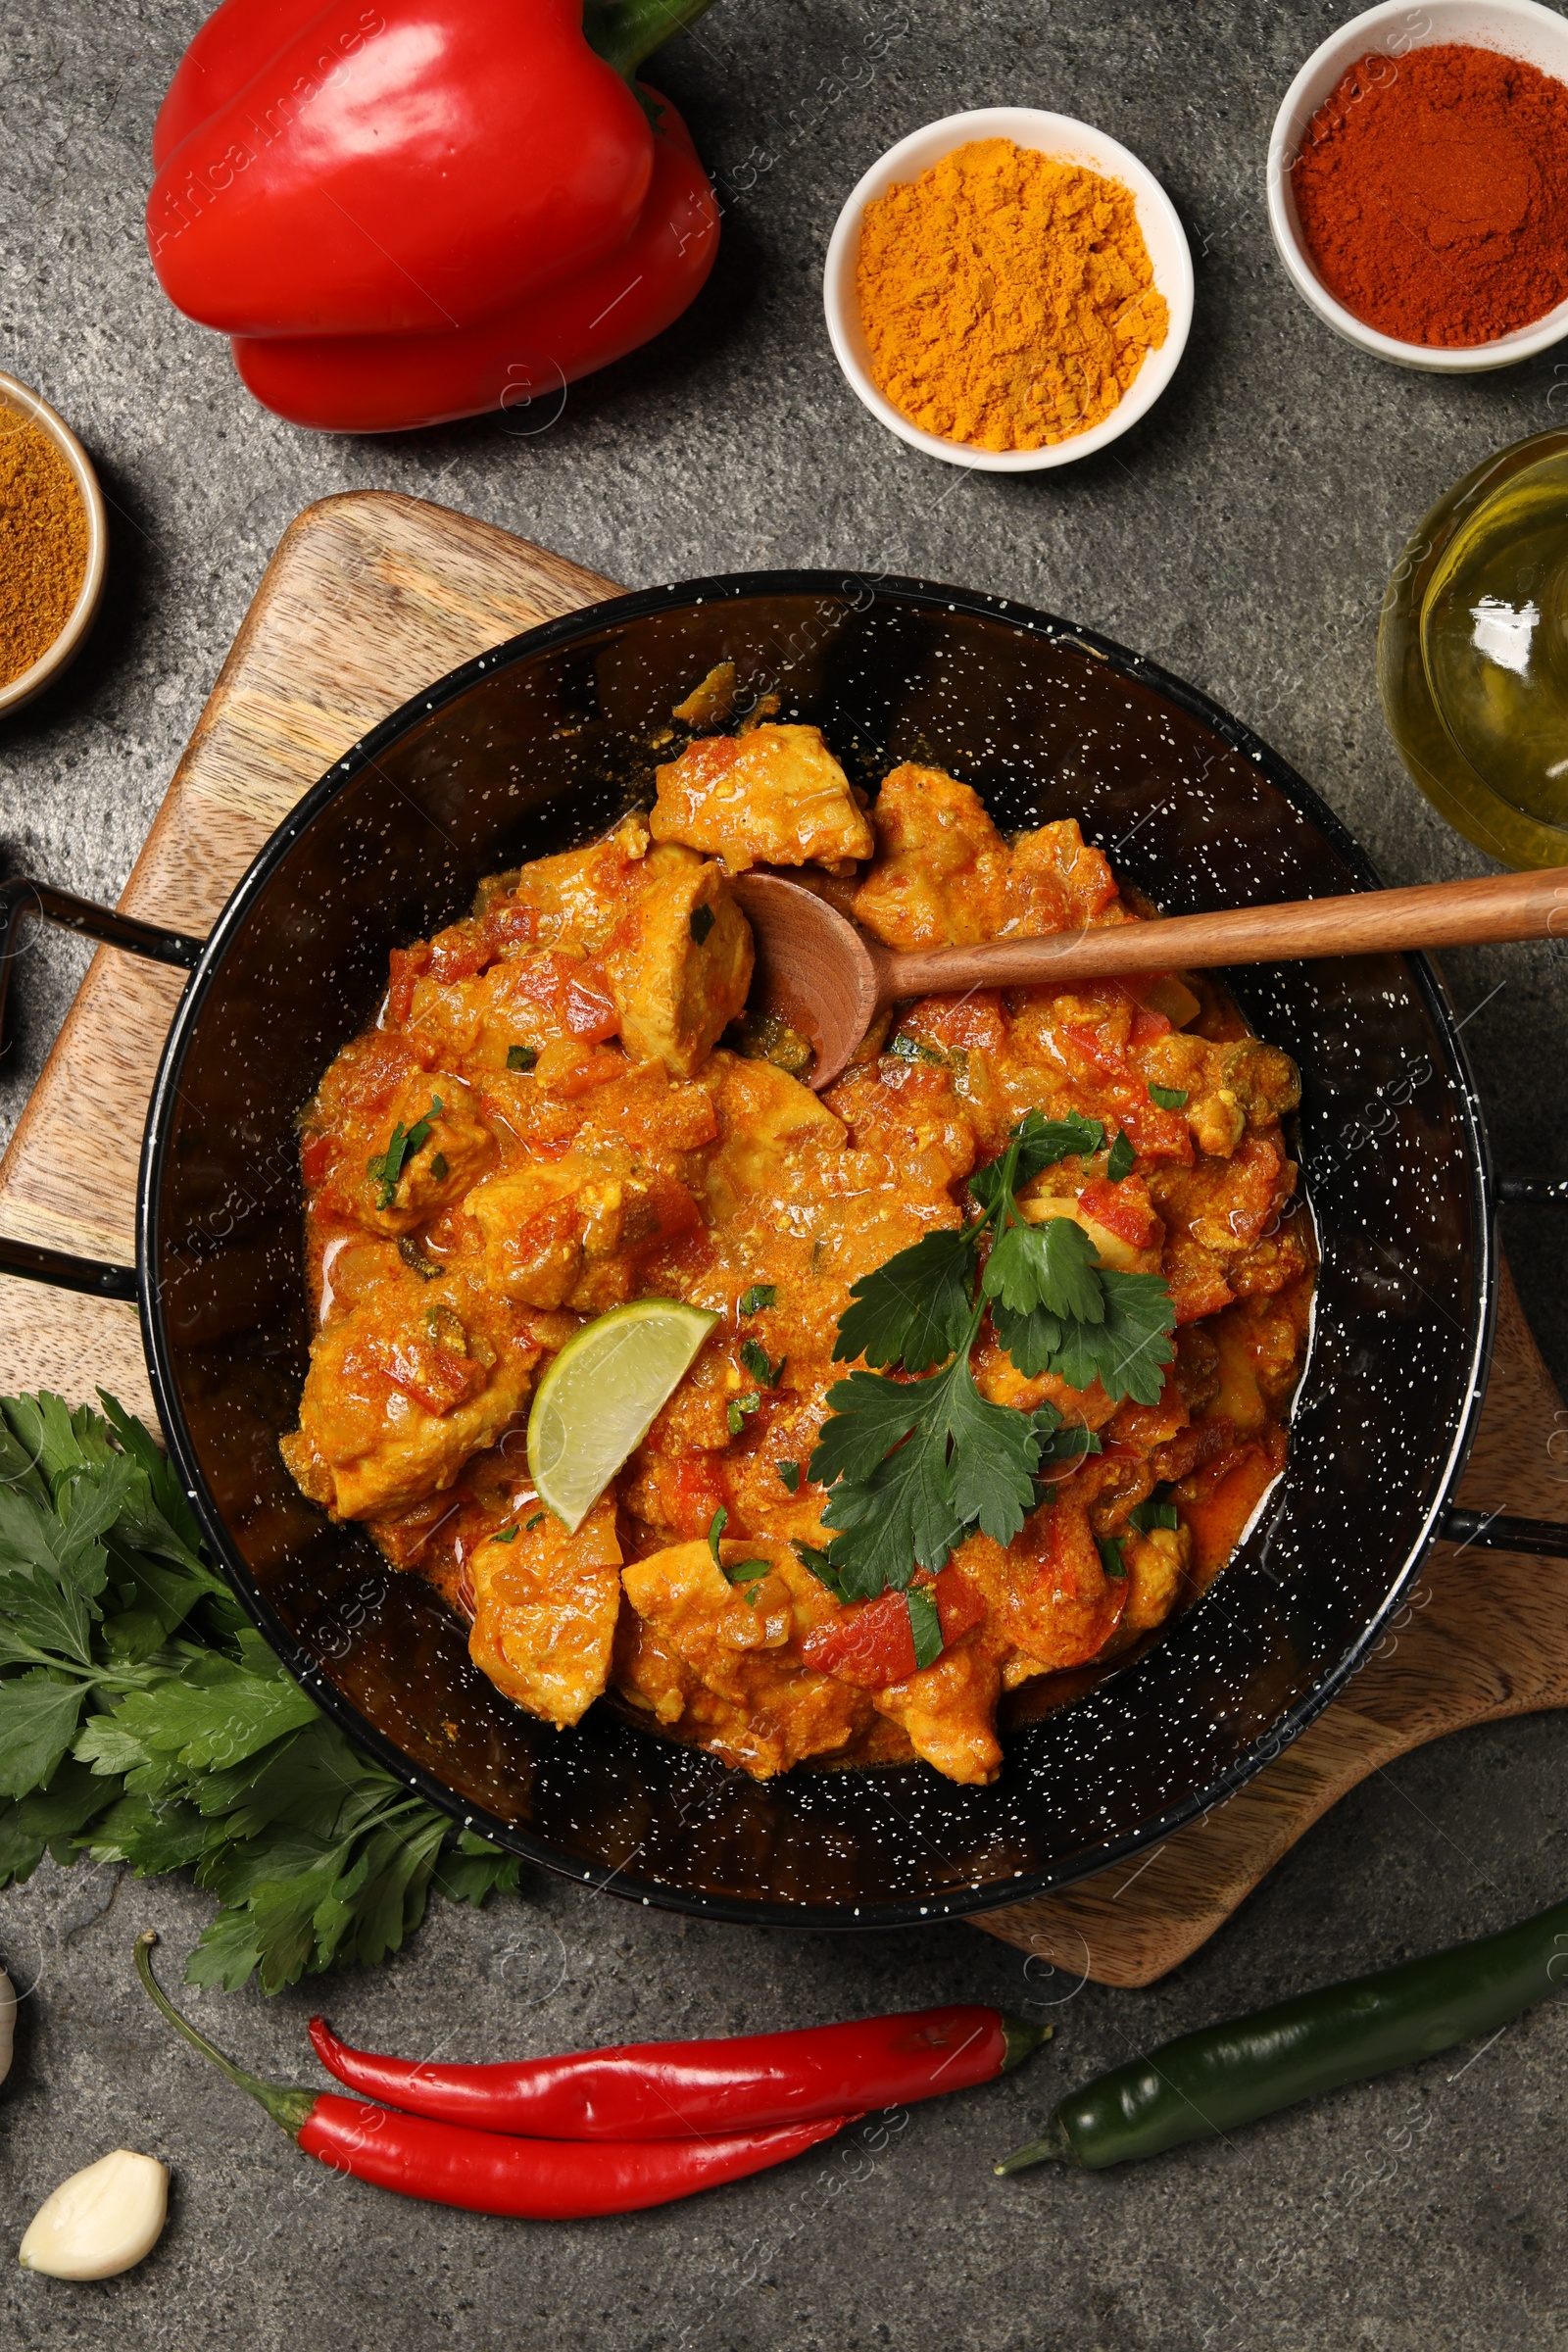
(288,2108)
(1051,2147)
(626,31)
(1020,2040)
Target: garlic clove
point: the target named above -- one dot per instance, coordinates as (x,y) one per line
(7,2022)
(101,2221)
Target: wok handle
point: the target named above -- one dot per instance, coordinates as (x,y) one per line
(1495,1531)
(22,897)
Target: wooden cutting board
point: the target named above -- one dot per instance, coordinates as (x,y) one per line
(368,598)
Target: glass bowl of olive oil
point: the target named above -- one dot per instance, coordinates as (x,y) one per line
(1473,654)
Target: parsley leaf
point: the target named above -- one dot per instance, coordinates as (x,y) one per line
(522,1058)
(143,1721)
(737,1407)
(537,1520)
(753,1355)
(790,1477)
(925,1625)
(505,1534)
(1145,1516)
(760,1295)
(715,1528)
(388,1165)
(1041,1143)
(1168,1097)
(703,919)
(1122,1157)
(913,1311)
(1053,1266)
(1111,1560)
(746,1572)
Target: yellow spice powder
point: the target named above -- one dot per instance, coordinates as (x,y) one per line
(43,543)
(1007,299)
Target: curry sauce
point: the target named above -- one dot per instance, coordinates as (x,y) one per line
(549,1117)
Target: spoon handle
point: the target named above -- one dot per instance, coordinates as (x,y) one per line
(1436,914)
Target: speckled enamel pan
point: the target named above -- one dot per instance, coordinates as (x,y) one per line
(533,748)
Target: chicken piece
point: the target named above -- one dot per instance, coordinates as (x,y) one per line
(940,879)
(551,1227)
(679,961)
(1048,1592)
(728,1654)
(709,703)
(388,1140)
(775,795)
(1156,1565)
(504,1018)
(771,1130)
(949,1714)
(545,1610)
(580,895)
(402,1388)
(1055,882)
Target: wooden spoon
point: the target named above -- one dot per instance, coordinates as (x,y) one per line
(818,970)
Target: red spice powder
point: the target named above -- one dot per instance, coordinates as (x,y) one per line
(1433,194)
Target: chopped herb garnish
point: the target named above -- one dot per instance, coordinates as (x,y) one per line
(537,1520)
(1068,1444)
(746,1572)
(388,1165)
(1122,1157)
(522,1058)
(905,1047)
(760,1295)
(1111,1558)
(737,1410)
(822,1568)
(753,1355)
(1150,1514)
(914,1465)
(506,1535)
(1169,1098)
(715,1528)
(790,1474)
(703,919)
(925,1624)
(438,1167)
(414,1256)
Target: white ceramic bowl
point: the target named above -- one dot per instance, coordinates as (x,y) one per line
(1517,27)
(1074,143)
(66,646)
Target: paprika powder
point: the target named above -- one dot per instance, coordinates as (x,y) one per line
(1433,194)
(43,544)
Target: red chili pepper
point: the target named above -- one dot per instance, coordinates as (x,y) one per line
(660,2090)
(417,209)
(488,2172)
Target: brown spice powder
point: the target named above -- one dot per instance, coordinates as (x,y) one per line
(43,543)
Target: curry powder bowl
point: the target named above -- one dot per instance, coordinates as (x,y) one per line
(536,746)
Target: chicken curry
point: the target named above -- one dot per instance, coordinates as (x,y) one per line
(560,1108)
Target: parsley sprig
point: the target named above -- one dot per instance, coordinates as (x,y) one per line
(143,1721)
(913,1466)
(387,1166)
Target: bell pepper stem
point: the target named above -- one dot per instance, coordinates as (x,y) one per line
(291,2109)
(1020,2040)
(625,31)
(1051,2147)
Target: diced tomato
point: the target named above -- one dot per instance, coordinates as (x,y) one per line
(872,1645)
(432,1376)
(316,1157)
(1255,1187)
(1197,1289)
(570,989)
(459,952)
(1147,1024)
(661,1213)
(514,923)
(1124,1209)
(970,1021)
(1078,1605)
(911,1078)
(569,1079)
(1155,1133)
(698,1494)
(405,965)
(1099,1052)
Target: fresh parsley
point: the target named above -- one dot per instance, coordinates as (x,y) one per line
(522,1058)
(537,1520)
(746,1572)
(1121,1158)
(703,919)
(753,1355)
(925,1625)
(736,1410)
(1168,1097)
(388,1165)
(506,1535)
(1111,1560)
(760,1297)
(790,1477)
(715,1528)
(914,1465)
(1145,1516)
(142,1721)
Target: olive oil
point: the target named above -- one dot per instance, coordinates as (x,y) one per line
(1473,654)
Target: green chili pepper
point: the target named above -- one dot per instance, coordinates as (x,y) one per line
(1225,2075)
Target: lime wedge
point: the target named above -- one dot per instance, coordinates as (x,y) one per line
(597,1399)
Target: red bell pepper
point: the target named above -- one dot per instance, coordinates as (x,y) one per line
(416,210)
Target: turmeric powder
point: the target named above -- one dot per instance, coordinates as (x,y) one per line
(1007,298)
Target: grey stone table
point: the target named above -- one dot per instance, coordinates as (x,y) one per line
(1241,536)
